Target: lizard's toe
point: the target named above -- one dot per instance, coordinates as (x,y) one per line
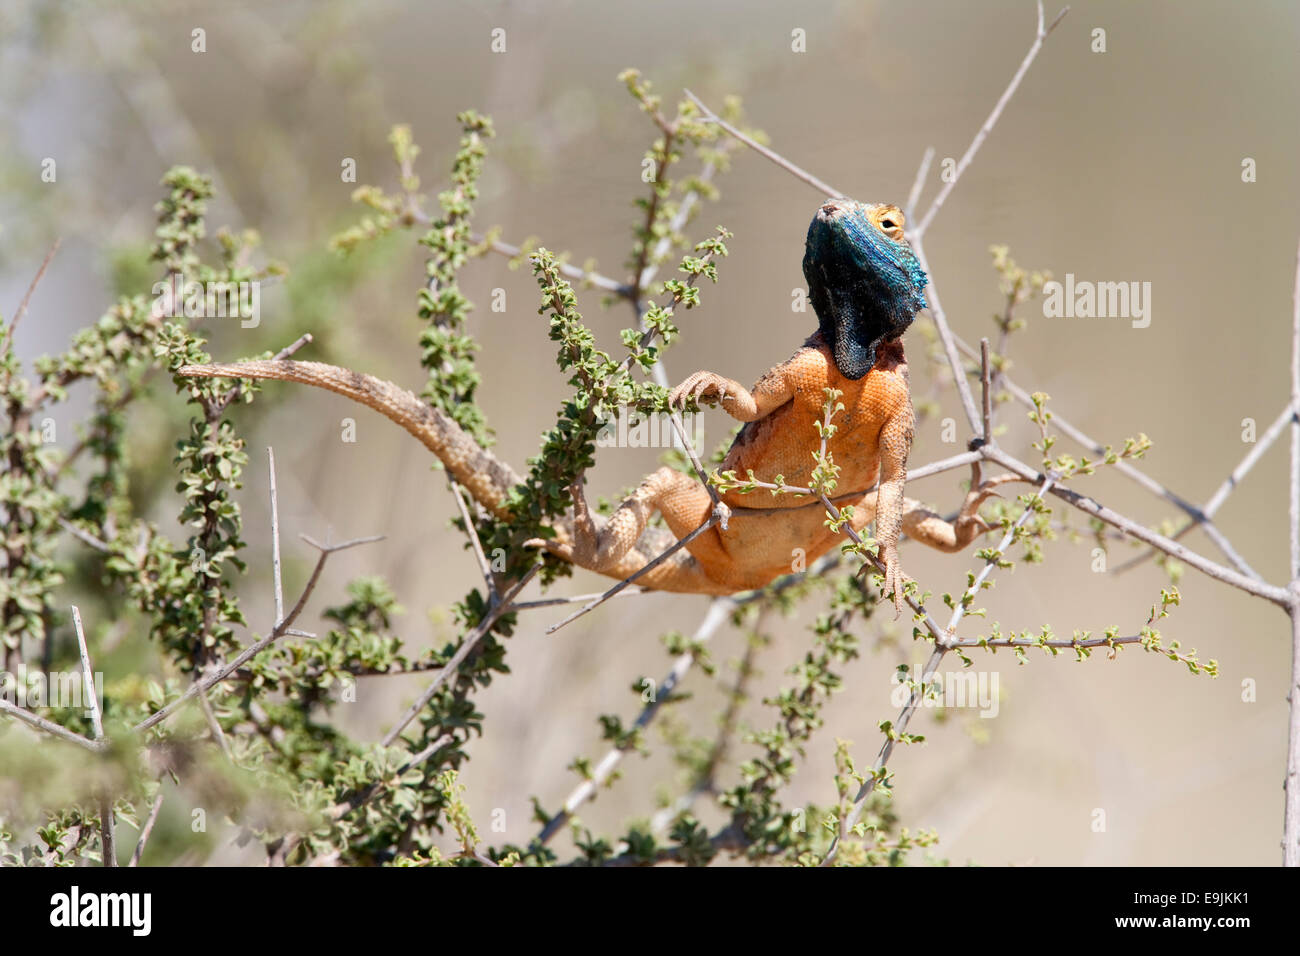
(894,583)
(557,548)
(969,514)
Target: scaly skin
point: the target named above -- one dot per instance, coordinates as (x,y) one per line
(858,350)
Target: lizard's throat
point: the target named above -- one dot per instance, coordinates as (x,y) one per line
(856,349)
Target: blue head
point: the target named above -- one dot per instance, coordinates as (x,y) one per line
(865,283)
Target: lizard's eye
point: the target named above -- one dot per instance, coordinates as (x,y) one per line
(891,224)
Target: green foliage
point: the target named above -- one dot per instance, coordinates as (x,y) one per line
(768,827)
(447,352)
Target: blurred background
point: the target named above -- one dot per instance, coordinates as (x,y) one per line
(1117,166)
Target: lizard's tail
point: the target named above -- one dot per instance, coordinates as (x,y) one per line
(484,476)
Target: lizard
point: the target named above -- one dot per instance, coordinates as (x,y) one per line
(865,286)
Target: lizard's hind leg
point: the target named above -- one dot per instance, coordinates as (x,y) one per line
(683,502)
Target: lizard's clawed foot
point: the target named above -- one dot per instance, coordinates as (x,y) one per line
(703,387)
(602,549)
(969,523)
(895,580)
(585,539)
(582,547)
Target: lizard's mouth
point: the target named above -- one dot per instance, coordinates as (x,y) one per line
(834,208)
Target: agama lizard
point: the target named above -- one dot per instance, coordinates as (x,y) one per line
(866,286)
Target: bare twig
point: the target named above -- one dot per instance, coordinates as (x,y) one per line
(275,538)
(218,674)
(7,337)
(923,170)
(986,392)
(84,536)
(632,578)
(291,348)
(214,725)
(940,319)
(721,512)
(468,644)
(917,608)
(705,781)
(1295,426)
(96,715)
(290,841)
(568,271)
(147,830)
(1279,596)
(106,817)
(344,807)
(1125,468)
(1248,462)
(484,565)
(575,599)
(719,611)
(944,464)
(942,645)
(49,727)
(1291,815)
(1228,486)
(710,117)
(1039,36)
(1291,784)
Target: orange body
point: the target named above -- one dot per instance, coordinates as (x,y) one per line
(786,442)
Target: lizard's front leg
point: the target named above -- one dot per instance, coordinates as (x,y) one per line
(745,405)
(895,443)
(707,387)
